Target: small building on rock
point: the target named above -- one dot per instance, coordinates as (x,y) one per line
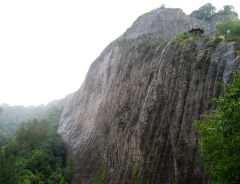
(196,31)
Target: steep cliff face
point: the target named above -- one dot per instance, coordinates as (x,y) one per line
(168,22)
(133,115)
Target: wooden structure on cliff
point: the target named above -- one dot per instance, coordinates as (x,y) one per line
(196,31)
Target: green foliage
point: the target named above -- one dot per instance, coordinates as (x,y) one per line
(3,140)
(121,40)
(237,49)
(230,30)
(12,116)
(139,176)
(220,136)
(135,175)
(162,6)
(204,12)
(40,155)
(7,170)
(68,169)
(207,11)
(182,38)
(160,36)
(182,35)
(227,9)
(101,176)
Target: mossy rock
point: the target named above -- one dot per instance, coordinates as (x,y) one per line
(121,40)
(237,46)
(183,42)
(237,53)
(201,50)
(139,176)
(101,176)
(160,43)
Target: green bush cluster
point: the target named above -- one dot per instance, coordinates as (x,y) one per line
(204,12)
(227,9)
(230,30)
(182,38)
(35,155)
(207,11)
(182,35)
(220,136)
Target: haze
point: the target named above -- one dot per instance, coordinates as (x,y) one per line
(47,46)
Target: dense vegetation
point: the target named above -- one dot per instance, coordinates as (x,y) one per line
(204,12)
(207,11)
(220,136)
(12,116)
(35,154)
(229,30)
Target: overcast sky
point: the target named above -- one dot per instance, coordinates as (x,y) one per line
(46,46)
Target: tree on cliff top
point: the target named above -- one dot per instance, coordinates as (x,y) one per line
(228,9)
(230,30)
(220,136)
(207,11)
(204,12)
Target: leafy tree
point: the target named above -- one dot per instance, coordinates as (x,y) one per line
(228,8)
(39,162)
(230,30)
(220,136)
(162,6)
(3,140)
(12,116)
(7,170)
(204,12)
(32,133)
(40,155)
(182,35)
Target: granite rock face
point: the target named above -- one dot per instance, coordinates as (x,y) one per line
(133,116)
(168,22)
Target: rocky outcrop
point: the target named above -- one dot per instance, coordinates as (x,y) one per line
(168,22)
(221,17)
(132,120)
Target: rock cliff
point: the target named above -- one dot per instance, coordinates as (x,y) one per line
(132,119)
(168,22)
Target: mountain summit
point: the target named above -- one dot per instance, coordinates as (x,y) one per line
(168,22)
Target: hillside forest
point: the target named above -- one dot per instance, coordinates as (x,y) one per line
(31,151)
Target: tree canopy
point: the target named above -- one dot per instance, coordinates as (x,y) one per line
(204,12)
(220,136)
(35,154)
(207,11)
(230,30)
(12,116)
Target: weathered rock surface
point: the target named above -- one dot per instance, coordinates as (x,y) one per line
(168,22)
(133,115)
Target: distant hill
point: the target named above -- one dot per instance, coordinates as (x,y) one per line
(12,116)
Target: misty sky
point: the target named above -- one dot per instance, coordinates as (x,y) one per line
(46,46)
